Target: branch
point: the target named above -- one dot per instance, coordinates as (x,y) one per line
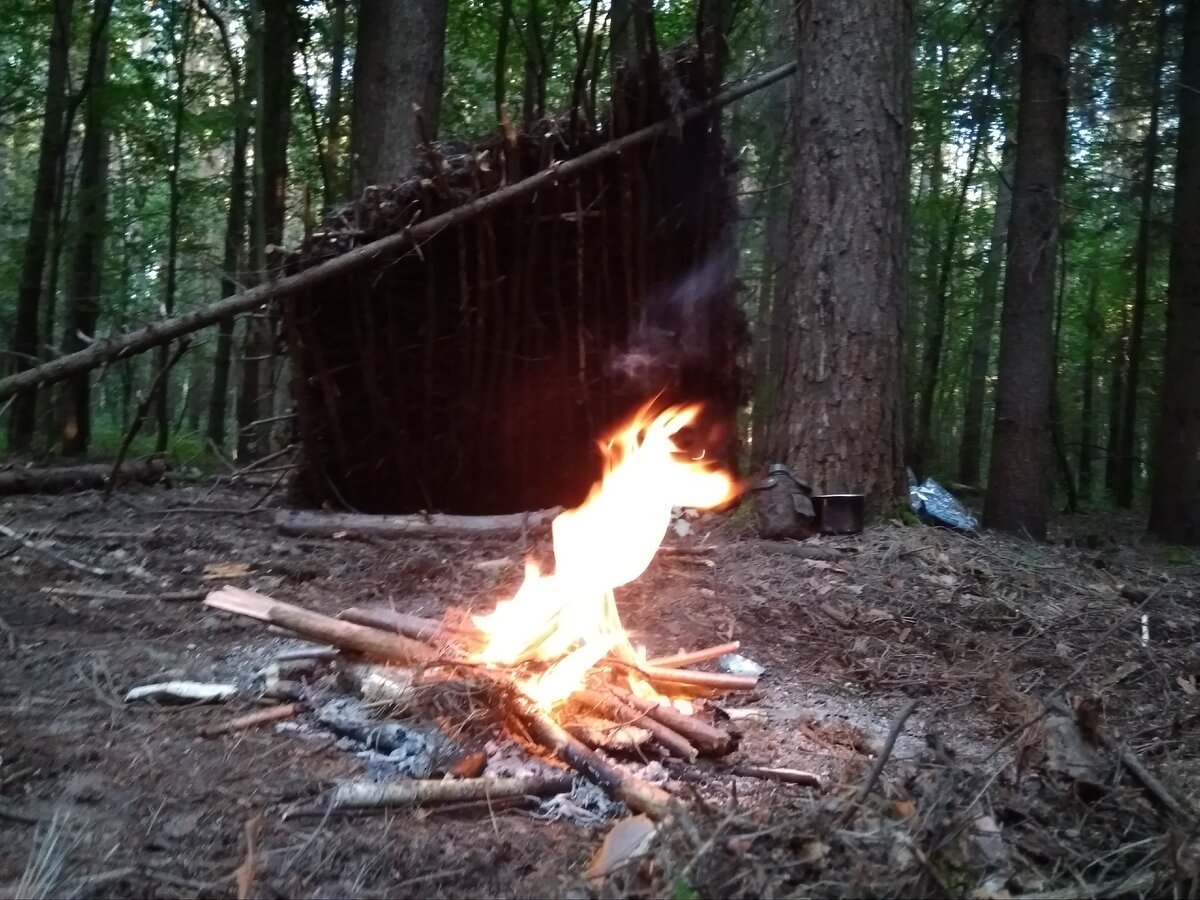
(166,330)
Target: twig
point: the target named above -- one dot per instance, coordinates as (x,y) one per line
(1153,786)
(251,720)
(877,769)
(97,594)
(38,547)
(139,417)
(692,657)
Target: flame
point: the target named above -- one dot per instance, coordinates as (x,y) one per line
(569,617)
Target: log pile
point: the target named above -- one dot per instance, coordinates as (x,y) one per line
(401,653)
(471,373)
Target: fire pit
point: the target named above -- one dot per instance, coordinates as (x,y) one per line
(555,657)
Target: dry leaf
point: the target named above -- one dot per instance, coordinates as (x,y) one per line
(1188,683)
(1123,671)
(626,841)
(216,570)
(903,809)
(812,852)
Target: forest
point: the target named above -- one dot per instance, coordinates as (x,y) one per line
(344,301)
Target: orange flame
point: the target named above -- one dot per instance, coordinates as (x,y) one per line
(570,617)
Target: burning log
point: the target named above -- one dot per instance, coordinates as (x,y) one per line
(709,741)
(604,735)
(347,635)
(707,681)
(638,795)
(421,792)
(612,707)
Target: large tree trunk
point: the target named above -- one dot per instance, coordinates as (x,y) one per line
(83,303)
(26,338)
(971,447)
(399,65)
(1175,501)
(1017,497)
(839,418)
(1129,416)
(235,236)
(183,40)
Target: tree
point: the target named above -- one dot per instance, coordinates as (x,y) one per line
(398,68)
(26,343)
(838,418)
(1175,503)
(83,302)
(1142,250)
(1017,495)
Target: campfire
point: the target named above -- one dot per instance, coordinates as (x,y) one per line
(555,656)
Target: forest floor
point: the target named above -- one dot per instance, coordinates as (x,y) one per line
(1030,665)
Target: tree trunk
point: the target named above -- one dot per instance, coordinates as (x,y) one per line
(1056,430)
(1116,391)
(235,237)
(183,39)
(971,446)
(1175,500)
(839,418)
(1017,499)
(26,338)
(1091,333)
(1129,416)
(83,303)
(334,183)
(399,65)
(275,47)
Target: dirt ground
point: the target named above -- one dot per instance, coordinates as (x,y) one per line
(1034,667)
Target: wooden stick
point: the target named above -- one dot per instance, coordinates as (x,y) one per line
(166,330)
(416,627)
(713,681)
(421,792)
(316,524)
(95,594)
(679,660)
(369,641)
(251,720)
(139,417)
(884,754)
(1153,786)
(770,773)
(638,795)
(611,707)
(708,740)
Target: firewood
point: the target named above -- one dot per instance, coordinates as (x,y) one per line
(421,792)
(320,524)
(692,657)
(416,627)
(611,707)
(250,720)
(709,681)
(368,641)
(710,741)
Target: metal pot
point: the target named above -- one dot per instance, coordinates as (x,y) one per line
(840,513)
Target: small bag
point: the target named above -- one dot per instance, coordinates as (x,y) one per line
(783,506)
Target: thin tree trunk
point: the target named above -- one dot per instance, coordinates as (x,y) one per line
(83,304)
(1116,393)
(1016,495)
(971,445)
(500,76)
(334,184)
(235,234)
(1091,332)
(1175,500)
(1060,445)
(839,419)
(162,406)
(935,333)
(1129,416)
(26,343)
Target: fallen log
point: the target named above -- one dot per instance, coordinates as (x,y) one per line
(422,792)
(302,523)
(368,641)
(69,479)
(166,330)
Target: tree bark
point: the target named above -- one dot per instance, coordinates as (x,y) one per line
(1017,497)
(1116,391)
(334,183)
(26,343)
(399,65)
(971,446)
(839,417)
(83,304)
(1175,500)
(1129,417)
(183,40)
